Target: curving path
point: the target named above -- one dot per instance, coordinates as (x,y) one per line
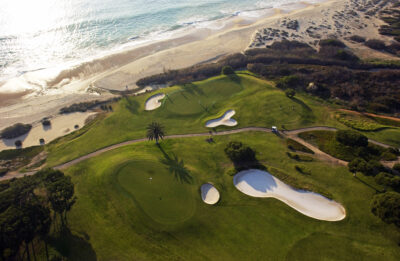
(291,134)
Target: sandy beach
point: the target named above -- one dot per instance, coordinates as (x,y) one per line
(91,80)
(60,125)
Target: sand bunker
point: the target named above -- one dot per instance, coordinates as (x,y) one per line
(261,184)
(209,194)
(223,120)
(153,102)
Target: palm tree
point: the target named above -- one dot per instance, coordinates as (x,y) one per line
(155,131)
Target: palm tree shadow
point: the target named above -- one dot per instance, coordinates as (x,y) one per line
(176,167)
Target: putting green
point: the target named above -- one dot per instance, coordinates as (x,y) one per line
(162,197)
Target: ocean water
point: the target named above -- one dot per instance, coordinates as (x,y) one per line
(49,34)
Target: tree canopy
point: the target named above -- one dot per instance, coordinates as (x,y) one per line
(386,206)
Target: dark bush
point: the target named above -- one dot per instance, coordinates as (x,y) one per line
(376,44)
(46,122)
(386,206)
(243,157)
(357,165)
(302,169)
(290,92)
(373,168)
(396,167)
(227,70)
(18,143)
(357,38)
(291,81)
(332,42)
(388,156)
(351,138)
(388,180)
(237,152)
(15,131)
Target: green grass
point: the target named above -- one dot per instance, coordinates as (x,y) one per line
(155,191)
(187,108)
(121,216)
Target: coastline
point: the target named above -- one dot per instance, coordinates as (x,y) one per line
(116,71)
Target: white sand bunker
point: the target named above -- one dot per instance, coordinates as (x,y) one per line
(261,184)
(223,120)
(209,194)
(153,102)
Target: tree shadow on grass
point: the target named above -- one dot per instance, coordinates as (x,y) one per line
(176,167)
(235,78)
(132,105)
(305,106)
(72,246)
(192,89)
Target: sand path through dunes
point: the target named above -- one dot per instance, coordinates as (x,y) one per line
(261,184)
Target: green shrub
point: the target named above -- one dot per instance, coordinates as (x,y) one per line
(302,170)
(290,93)
(227,70)
(357,165)
(18,143)
(299,157)
(388,180)
(294,145)
(3,171)
(375,44)
(15,131)
(396,167)
(46,122)
(357,38)
(242,156)
(351,138)
(386,206)
(291,81)
(332,42)
(388,156)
